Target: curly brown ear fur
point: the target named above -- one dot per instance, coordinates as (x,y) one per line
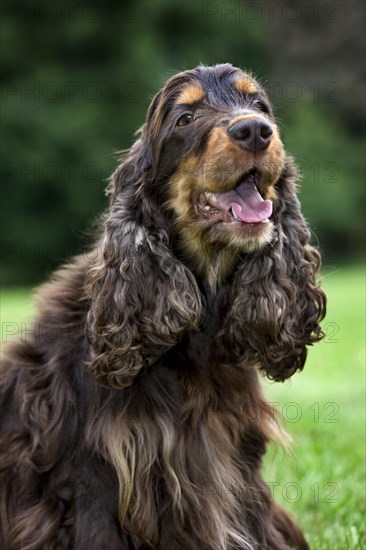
(142,297)
(276,302)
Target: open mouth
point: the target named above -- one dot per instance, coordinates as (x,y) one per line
(242,204)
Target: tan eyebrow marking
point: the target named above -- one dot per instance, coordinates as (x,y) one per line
(246,85)
(190,94)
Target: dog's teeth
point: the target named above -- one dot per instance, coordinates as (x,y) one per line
(265,221)
(234,214)
(208,207)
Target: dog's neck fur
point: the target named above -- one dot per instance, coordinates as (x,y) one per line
(210,263)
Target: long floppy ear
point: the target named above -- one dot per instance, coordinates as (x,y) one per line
(142,298)
(276,302)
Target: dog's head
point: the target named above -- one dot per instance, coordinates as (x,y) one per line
(214,156)
(206,192)
(220,156)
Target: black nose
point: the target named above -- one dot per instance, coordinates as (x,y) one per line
(252,134)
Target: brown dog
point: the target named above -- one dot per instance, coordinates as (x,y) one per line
(134,418)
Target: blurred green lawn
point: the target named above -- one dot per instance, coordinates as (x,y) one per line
(322,480)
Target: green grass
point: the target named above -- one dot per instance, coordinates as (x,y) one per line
(322,481)
(15,309)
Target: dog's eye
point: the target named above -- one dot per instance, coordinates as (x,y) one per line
(262,107)
(184,120)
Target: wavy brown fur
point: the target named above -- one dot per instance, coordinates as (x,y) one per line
(133,417)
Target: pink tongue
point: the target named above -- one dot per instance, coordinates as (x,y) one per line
(246,202)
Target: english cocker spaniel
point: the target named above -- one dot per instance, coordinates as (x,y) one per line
(133,417)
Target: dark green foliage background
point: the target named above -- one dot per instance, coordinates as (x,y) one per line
(78,78)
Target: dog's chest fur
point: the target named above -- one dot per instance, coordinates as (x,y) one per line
(178,436)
